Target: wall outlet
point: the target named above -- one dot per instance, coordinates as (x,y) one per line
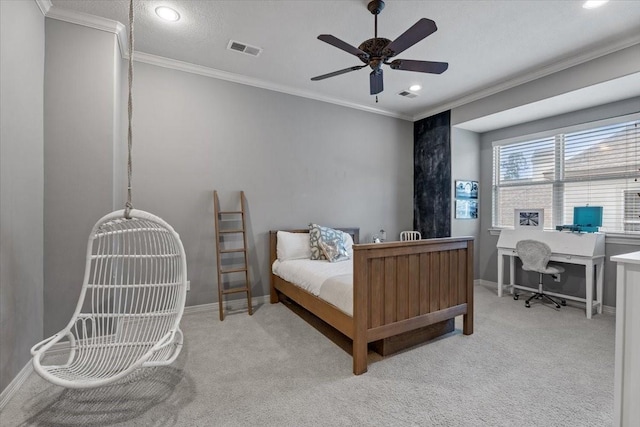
(188,285)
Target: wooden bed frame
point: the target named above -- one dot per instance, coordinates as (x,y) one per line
(398,287)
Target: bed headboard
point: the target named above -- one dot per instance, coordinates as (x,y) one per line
(273,238)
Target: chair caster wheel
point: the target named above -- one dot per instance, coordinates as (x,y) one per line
(515,297)
(526,304)
(563,302)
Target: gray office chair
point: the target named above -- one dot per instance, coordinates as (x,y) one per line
(535,257)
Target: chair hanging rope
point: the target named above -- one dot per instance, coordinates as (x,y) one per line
(129,204)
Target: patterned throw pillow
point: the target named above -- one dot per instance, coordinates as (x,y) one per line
(334,250)
(314,242)
(317,234)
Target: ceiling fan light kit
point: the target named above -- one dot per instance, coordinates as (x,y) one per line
(378,51)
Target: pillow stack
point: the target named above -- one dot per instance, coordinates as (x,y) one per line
(328,243)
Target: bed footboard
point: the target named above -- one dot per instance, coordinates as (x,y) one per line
(403,286)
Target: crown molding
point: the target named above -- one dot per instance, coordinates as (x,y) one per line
(91,21)
(539,73)
(161,61)
(119,30)
(44,5)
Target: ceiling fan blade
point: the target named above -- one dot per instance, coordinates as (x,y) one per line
(337,73)
(419,66)
(413,35)
(375,82)
(334,41)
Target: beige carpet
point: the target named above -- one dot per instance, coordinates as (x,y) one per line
(521,367)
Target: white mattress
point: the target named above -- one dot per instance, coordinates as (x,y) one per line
(330,281)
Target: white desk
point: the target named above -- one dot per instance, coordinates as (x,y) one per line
(573,248)
(626,392)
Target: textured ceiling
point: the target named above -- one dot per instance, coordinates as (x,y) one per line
(488,44)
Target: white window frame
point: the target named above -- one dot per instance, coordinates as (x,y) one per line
(621,237)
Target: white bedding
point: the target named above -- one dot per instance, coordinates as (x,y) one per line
(330,281)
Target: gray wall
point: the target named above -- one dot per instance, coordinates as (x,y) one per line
(297,160)
(572,282)
(465,165)
(21,183)
(80,122)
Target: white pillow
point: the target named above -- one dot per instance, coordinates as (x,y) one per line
(292,246)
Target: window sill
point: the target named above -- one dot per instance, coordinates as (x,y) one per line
(610,238)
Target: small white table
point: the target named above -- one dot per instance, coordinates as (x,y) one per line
(626,394)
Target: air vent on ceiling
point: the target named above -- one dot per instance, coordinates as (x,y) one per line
(407,94)
(244,48)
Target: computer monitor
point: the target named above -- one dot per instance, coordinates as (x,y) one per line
(587,218)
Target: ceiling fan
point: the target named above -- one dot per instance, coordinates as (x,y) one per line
(377,51)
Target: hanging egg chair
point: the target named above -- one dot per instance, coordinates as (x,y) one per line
(130,305)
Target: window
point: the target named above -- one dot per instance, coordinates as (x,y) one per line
(597,166)
(631,209)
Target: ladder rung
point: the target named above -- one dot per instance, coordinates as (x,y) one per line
(228,251)
(239,230)
(234,291)
(230,212)
(234,270)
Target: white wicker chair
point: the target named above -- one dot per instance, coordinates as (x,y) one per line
(410,235)
(130,305)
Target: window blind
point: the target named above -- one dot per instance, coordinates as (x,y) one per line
(598,166)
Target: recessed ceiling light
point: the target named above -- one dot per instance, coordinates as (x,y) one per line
(167,13)
(415,88)
(592,4)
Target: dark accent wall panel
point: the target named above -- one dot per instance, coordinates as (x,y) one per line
(432,175)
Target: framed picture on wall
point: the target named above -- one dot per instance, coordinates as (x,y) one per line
(466,209)
(529,218)
(466,189)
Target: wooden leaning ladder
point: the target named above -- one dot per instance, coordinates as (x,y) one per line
(229,216)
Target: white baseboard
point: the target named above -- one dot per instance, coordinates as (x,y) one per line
(15,385)
(237,304)
(606,309)
(241,304)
